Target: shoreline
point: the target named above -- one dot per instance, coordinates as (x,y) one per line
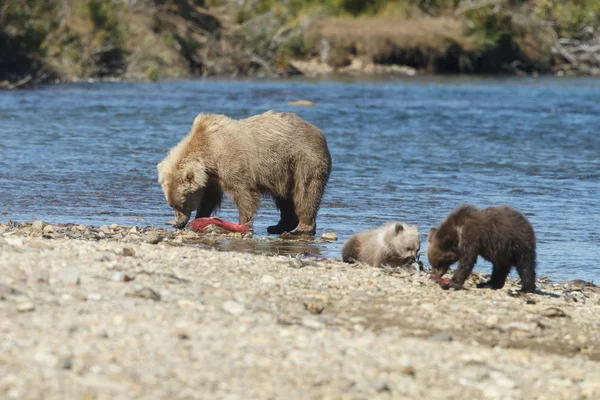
(124,318)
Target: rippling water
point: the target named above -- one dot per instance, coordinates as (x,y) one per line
(407,150)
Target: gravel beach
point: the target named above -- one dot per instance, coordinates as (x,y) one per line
(140,313)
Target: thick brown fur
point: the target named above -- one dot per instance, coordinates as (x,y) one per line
(392,244)
(278,154)
(501,235)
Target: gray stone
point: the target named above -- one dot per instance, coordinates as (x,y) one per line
(70,275)
(38,225)
(153,238)
(233,307)
(121,277)
(440,337)
(312,323)
(25,307)
(329,236)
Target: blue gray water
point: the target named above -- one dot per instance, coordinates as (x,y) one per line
(408,150)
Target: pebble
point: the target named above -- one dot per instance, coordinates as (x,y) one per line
(70,275)
(93,296)
(329,236)
(48,229)
(145,293)
(233,307)
(492,321)
(25,307)
(128,252)
(104,229)
(113,226)
(153,238)
(133,230)
(268,280)
(311,322)
(440,337)
(121,277)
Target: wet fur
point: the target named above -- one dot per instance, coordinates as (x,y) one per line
(278,154)
(501,235)
(392,244)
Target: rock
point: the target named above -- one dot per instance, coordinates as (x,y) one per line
(70,275)
(440,337)
(133,230)
(25,307)
(122,277)
(153,238)
(554,312)
(329,236)
(48,229)
(233,307)
(144,293)
(38,225)
(128,252)
(311,322)
(178,239)
(296,263)
(314,308)
(113,226)
(302,103)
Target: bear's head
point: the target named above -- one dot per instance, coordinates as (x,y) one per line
(442,252)
(182,184)
(404,242)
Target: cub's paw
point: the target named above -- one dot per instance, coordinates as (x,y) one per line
(451,285)
(485,285)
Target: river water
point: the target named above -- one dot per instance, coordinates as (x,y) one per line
(405,150)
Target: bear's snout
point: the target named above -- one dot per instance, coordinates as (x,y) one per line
(180,225)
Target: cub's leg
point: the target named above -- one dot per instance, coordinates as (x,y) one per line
(526,270)
(288,220)
(498,278)
(465,268)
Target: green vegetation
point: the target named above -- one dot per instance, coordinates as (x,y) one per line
(154,39)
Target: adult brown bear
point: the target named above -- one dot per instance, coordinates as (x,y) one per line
(274,153)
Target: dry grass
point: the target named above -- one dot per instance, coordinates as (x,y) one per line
(380,36)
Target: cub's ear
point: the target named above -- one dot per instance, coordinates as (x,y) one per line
(449,243)
(432,232)
(399,228)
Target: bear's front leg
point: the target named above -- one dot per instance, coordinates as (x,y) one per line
(465,267)
(247,203)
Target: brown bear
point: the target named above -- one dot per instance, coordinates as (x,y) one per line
(501,235)
(394,244)
(274,153)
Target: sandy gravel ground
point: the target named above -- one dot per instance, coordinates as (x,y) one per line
(104,314)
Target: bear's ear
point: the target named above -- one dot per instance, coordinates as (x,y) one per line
(193,176)
(448,243)
(432,232)
(399,228)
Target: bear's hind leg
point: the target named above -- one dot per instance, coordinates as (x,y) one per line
(307,200)
(526,270)
(288,220)
(499,274)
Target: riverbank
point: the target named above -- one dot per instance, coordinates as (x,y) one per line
(122,312)
(77,40)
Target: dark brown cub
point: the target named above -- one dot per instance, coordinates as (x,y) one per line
(501,235)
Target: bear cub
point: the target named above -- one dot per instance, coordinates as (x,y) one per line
(501,235)
(394,244)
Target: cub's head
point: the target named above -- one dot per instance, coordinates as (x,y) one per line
(182,183)
(404,242)
(442,252)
